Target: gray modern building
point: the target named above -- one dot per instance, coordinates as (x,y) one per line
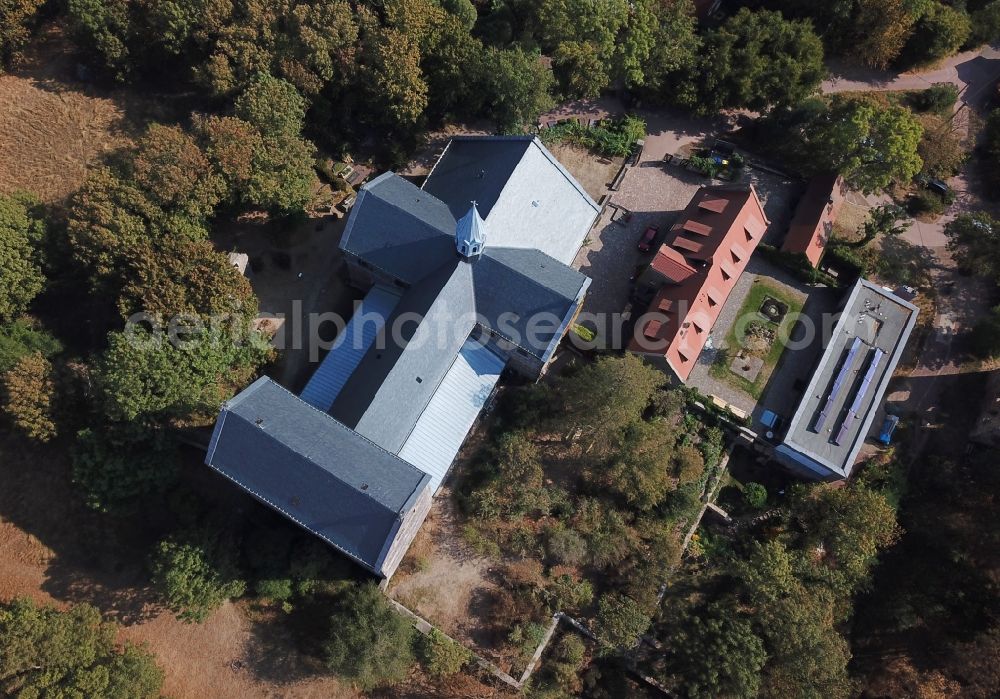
(464,277)
(835,414)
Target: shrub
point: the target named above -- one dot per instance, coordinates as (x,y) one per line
(755,495)
(369,643)
(568,594)
(526,638)
(613,138)
(274,589)
(620,620)
(441,656)
(23,337)
(565,545)
(195,574)
(939,97)
(925,202)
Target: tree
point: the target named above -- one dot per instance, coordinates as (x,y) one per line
(609,538)
(940,148)
(605,397)
(281,175)
(755,495)
(23,337)
(392,78)
(675,50)
(102,27)
(28,391)
(142,375)
(441,656)
(517,483)
(640,474)
(17,18)
(975,241)
(195,573)
(369,643)
(850,526)
(49,653)
(516,86)
(881,29)
(182,277)
(170,166)
(714,652)
(579,69)
(117,465)
(21,232)
(620,620)
(986,23)
(941,31)
(870,145)
(757,60)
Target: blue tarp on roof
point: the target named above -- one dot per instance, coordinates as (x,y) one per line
(451,412)
(349,348)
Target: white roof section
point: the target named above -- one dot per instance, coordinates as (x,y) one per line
(542,206)
(452,411)
(349,348)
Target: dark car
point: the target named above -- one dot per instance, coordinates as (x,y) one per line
(646,241)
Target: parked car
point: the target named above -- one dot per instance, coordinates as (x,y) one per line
(646,241)
(888,427)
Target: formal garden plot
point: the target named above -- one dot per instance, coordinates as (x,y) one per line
(754,343)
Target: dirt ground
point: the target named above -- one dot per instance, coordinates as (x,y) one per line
(55,551)
(53,127)
(593,172)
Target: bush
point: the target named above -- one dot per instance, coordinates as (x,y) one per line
(565,545)
(28,394)
(441,656)
(369,643)
(195,574)
(568,594)
(274,589)
(925,202)
(620,620)
(755,495)
(938,98)
(526,638)
(612,138)
(23,337)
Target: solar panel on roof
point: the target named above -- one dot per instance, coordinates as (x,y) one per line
(859,396)
(838,382)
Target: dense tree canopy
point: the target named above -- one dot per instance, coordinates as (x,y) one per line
(871,145)
(21,233)
(16,20)
(757,60)
(975,241)
(51,654)
(369,643)
(28,396)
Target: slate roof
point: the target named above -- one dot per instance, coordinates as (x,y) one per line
(398,228)
(322,475)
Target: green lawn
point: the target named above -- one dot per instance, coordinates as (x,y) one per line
(758,292)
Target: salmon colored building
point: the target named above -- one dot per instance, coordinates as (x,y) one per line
(812,226)
(693,273)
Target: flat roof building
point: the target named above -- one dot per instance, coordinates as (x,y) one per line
(835,414)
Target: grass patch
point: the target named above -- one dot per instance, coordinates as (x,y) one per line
(759,291)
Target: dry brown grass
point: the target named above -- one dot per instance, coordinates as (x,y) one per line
(53,128)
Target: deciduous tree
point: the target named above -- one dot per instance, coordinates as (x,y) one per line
(49,653)
(16,20)
(28,392)
(369,643)
(21,231)
(195,573)
(620,620)
(870,145)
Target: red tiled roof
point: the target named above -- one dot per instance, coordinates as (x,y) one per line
(815,215)
(695,227)
(716,205)
(687,300)
(671,264)
(690,245)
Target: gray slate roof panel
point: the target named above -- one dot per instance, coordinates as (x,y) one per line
(475,169)
(298,460)
(398,228)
